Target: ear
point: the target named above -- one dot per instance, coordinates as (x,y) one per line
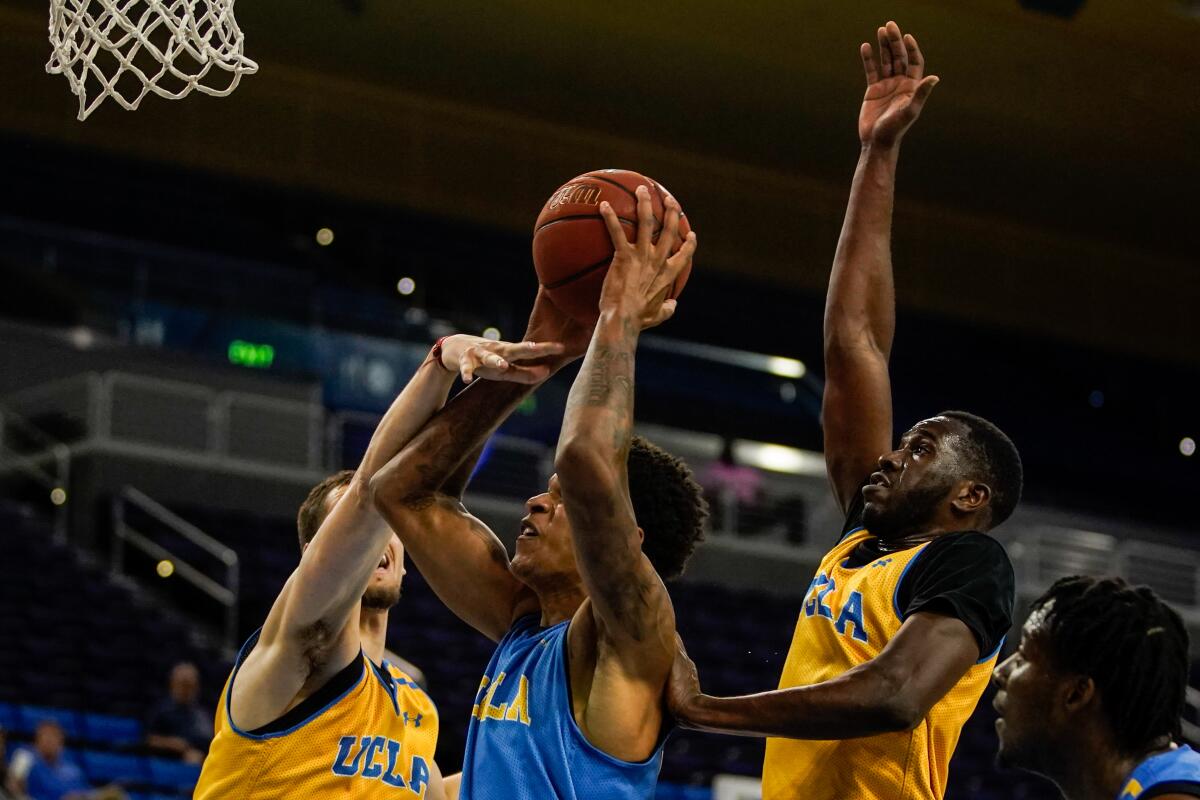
(1078,693)
(972,497)
(641,535)
(304,547)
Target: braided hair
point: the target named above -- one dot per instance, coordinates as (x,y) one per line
(1130,643)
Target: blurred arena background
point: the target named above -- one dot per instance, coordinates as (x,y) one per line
(206,304)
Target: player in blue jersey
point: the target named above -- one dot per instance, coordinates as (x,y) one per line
(1092,698)
(570,705)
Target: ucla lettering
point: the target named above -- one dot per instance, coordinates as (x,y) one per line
(849,616)
(852,614)
(514,710)
(364,757)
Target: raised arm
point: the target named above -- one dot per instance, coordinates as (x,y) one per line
(420,490)
(892,692)
(629,602)
(860,309)
(304,633)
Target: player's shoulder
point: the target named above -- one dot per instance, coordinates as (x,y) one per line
(975,543)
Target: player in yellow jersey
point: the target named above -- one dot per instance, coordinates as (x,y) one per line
(312,708)
(901,625)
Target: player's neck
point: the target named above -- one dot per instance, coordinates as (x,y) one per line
(559,602)
(372,631)
(1094,772)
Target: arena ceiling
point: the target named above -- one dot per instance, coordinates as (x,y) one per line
(1049,188)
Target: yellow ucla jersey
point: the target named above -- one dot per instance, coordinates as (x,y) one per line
(368,733)
(849,615)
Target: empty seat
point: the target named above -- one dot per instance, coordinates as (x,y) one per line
(168,774)
(102,768)
(112,730)
(28,718)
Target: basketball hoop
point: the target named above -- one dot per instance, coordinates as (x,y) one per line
(126,49)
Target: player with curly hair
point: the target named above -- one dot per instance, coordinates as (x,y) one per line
(570,705)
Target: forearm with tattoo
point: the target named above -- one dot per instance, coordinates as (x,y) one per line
(600,406)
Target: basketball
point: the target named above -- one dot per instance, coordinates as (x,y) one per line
(571,245)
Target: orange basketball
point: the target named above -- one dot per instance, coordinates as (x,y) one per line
(571,245)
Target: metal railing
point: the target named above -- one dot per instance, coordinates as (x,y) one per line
(34,462)
(1043,552)
(180,417)
(125,535)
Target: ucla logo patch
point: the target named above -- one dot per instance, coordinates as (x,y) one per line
(379,758)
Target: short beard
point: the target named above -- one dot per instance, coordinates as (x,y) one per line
(912,513)
(381,598)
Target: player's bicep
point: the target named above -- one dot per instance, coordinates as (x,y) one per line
(926,658)
(334,569)
(856,415)
(463,561)
(629,600)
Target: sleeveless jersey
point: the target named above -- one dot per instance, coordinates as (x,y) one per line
(374,738)
(849,615)
(523,742)
(1173,772)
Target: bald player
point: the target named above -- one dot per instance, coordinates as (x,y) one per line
(312,708)
(901,625)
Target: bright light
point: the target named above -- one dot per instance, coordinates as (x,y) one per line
(325,237)
(492,333)
(785,367)
(778,458)
(58,495)
(165,568)
(1187,445)
(406,286)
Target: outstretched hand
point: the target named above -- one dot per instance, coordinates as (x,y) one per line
(897,87)
(520,362)
(642,272)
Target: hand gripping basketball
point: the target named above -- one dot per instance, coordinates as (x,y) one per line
(642,273)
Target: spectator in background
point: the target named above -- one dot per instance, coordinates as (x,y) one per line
(178,724)
(45,772)
(730,487)
(8,783)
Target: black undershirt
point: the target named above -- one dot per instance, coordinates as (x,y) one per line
(966,575)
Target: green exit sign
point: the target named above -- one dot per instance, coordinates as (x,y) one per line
(249,354)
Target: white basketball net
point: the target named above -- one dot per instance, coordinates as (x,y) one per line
(126,49)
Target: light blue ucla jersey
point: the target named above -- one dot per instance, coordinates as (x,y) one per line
(523,742)
(1173,772)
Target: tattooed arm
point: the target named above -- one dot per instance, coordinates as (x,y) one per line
(630,610)
(419,492)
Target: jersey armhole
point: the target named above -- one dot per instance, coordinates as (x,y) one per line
(311,707)
(899,583)
(664,731)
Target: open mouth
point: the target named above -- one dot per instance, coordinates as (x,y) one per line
(879,479)
(528,531)
(384,562)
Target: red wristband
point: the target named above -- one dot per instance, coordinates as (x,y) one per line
(436,353)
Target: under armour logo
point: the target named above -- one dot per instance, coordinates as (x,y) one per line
(883,562)
(416,721)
